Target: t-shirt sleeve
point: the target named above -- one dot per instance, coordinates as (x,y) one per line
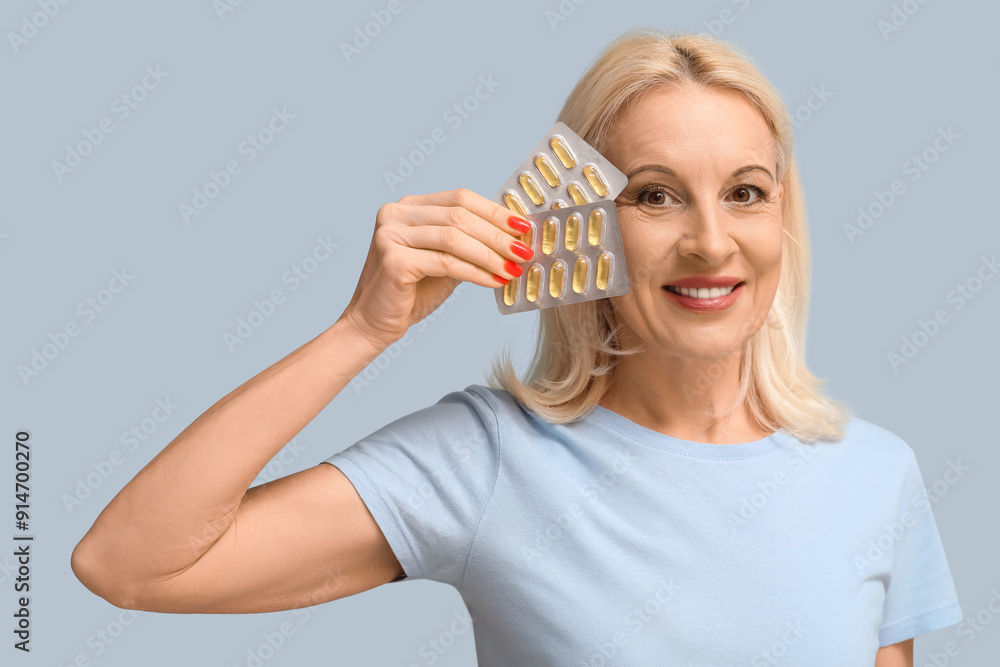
(920,596)
(427,478)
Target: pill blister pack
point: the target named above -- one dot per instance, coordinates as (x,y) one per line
(565,189)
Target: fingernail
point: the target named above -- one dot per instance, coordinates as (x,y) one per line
(521,250)
(500,280)
(512,268)
(519,225)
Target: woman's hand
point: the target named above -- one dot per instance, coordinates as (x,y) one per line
(422,248)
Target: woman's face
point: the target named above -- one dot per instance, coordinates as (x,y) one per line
(701,202)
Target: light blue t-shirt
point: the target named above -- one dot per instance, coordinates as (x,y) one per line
(603,542)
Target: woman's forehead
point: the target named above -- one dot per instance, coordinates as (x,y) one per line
(691,125)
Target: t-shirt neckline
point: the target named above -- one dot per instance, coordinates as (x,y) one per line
(704,450)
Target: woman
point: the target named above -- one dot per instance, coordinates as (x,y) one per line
(668,486)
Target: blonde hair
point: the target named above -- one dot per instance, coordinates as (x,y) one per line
(578,345)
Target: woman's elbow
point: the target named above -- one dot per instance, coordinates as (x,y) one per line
(100,576)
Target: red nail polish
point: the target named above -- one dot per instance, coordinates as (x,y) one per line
(519,225)
(521,250)
(499,279)
(512,268)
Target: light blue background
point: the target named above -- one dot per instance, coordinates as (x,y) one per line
(162,336)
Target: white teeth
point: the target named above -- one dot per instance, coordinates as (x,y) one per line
(701,292)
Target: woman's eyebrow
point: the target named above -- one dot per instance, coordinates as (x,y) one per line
(670,172)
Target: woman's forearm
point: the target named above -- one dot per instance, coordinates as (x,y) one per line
(179,504)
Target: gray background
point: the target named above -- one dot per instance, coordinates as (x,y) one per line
(162,336)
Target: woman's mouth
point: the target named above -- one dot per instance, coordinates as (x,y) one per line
(702,292)
(704,299)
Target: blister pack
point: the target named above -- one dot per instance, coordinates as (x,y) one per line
(565,189)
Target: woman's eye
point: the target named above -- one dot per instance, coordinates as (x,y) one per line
(748,194)
(655,197)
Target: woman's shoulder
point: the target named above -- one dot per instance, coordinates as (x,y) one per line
(869,443)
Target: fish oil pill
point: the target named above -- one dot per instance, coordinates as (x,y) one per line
(563,152)
(531,189)
(549,235)
(510,292)
(565,189)
(603,271)
(596,180)
(580,275)
(577,194)
(595,226)
(572,231)
(557,279)
(528,238)
(548,170)
(532,283)
(514,203)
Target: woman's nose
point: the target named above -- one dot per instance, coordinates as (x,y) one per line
(705,232)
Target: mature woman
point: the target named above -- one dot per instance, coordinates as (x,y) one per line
(667,486)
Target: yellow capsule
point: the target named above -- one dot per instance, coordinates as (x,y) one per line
(514,203)
(510,292)
(558,204)
(595,226)
(580,275)
(549,236)
(577,193)
(533,281)
(572,231)
(557,278)
(603,271)
(531,189)
(596,180)
(528,237)
(547,170)
(563,152)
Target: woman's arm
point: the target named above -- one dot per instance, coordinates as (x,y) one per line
(895,655)
(186,535)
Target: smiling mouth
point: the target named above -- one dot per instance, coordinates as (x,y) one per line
(702,292)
